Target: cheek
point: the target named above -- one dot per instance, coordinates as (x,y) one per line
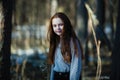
(54,29)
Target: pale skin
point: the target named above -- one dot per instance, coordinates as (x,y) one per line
(58,26)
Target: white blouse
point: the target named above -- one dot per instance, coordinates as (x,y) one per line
(61,66)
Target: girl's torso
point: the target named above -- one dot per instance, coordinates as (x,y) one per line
(60,65)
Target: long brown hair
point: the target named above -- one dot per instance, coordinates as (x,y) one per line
(67,35)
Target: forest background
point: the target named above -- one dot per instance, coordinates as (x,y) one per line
(24,44)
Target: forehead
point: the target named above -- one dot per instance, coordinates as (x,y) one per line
(56,20)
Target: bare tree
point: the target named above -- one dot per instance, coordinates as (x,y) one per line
(5,52)
(115,74)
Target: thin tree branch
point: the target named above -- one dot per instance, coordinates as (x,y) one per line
(95,22)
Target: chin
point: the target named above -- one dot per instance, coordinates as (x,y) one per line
(59,34)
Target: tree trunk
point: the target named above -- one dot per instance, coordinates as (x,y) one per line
(101,11)
(100,34)
(5,65)
(115,74)
(54,5)
(82,14)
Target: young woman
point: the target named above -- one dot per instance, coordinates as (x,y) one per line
(65,49)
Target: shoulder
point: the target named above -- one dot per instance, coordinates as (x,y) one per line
(71,41)
(75,41)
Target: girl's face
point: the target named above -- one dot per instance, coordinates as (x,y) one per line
(58,26)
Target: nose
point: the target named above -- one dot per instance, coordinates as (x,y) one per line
(58,26)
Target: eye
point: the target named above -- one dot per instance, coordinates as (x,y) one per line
(54,25)
(61,24)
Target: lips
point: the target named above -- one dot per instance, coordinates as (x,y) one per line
(59,31)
